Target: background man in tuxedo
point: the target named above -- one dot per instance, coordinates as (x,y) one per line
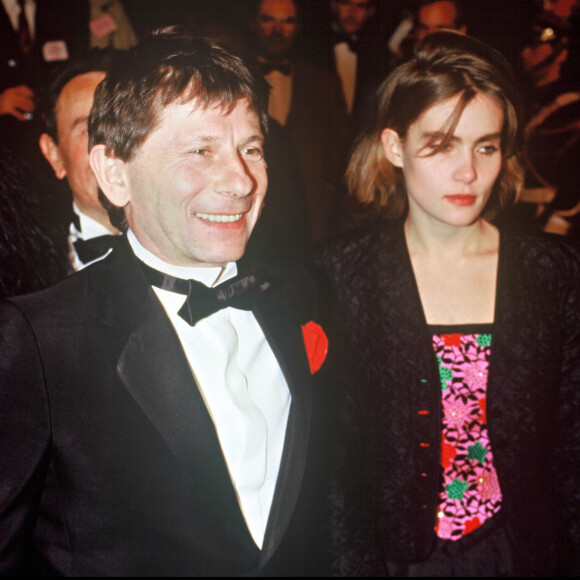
(145,430)
(65,145)
(353,43)
(306,101)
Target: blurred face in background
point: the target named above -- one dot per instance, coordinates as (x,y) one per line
(351,15)
(563,8)
(276,26)
(436,16)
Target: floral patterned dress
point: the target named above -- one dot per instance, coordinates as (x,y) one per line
(471,493)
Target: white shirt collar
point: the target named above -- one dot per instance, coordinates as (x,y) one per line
(90,228)
(208,276)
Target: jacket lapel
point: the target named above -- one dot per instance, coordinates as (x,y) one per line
(285,338)
(154,370)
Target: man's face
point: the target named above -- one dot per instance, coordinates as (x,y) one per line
(276,25)
(70,157)
(435,17)
(351,15)
(195,188)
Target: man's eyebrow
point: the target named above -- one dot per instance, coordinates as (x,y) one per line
(253,138)
(209,139)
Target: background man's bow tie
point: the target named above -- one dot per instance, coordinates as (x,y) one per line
(351,39)
(268,67)
(93,248)
(240,292)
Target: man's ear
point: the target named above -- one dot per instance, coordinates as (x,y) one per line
(52,154)
(392,147)
(110,174)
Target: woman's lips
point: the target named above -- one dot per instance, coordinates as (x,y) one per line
(461,199)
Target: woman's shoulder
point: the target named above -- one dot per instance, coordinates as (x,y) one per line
(537,248)
(543,262)
(363,242)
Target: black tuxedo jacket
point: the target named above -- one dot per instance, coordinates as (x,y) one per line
(112,465)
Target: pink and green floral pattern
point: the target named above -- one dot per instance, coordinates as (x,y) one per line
(471,493)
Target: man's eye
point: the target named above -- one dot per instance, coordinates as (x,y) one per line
(253,152)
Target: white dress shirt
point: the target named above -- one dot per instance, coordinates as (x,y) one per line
(241,383)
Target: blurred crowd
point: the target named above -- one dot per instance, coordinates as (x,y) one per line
(324,60)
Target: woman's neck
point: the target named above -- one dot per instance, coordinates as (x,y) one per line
(443,241)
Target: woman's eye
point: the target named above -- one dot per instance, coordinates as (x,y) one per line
(488,149)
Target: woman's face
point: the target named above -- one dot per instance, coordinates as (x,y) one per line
(452,186)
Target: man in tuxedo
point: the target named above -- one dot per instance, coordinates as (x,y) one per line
(353,43)
(157,405)
(65,145)
(308,102)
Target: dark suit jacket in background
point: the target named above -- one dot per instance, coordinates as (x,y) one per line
(55,20)
(317,124)
(373,64)
(112,465)
(533,402)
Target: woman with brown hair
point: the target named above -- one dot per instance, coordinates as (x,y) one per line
(462,456)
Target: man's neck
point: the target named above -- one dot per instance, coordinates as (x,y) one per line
(208,276)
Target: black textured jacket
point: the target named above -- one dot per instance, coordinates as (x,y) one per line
(387,502)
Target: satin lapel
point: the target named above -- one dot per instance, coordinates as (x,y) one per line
(285,338)
(154,369)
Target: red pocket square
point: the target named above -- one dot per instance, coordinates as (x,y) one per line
(316,344)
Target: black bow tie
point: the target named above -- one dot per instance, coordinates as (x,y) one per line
(240,292)
(93,248)
(268,67)
(351,39)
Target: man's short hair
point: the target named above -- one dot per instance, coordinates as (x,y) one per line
(171,65)
(94,60)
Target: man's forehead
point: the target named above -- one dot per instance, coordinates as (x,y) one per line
(208,111)
(276,7)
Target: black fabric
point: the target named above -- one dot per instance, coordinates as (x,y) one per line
(33,247)
(385,510)
(93,248)
(490,553)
